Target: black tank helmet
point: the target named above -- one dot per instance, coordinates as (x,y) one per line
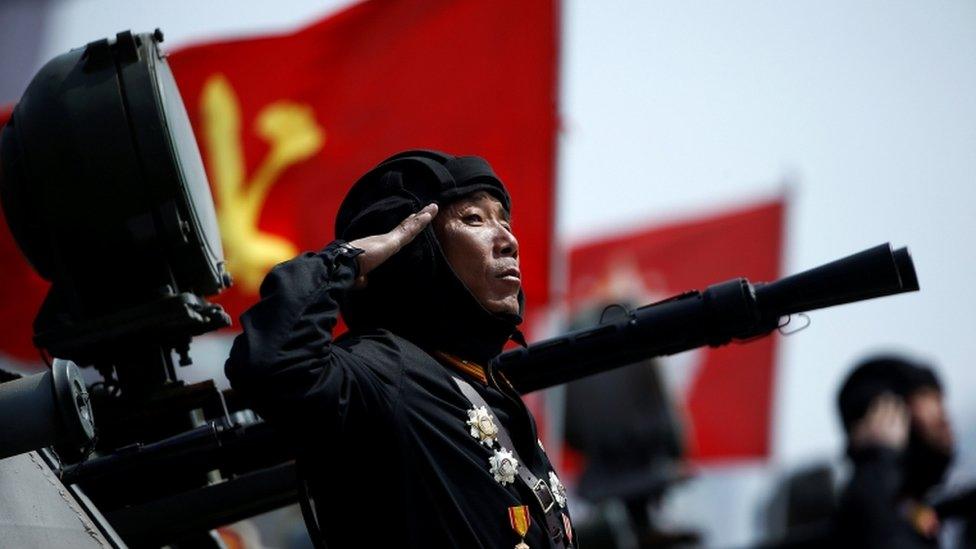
(877,375)
(416,294)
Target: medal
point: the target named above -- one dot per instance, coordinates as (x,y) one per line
(558,490)
(483,427)
(520,520)
(503,466)
(924,519)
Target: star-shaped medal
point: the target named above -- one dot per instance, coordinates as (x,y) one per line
(558,490)
(483,427)
(503,466)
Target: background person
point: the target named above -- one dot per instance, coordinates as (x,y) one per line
(900,443)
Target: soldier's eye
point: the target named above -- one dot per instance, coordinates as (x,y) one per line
(472,218)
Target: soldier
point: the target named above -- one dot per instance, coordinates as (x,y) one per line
(413,438)
(901,443)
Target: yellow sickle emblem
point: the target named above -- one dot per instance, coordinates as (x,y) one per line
(293,136)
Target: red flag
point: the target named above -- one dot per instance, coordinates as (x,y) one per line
(286,123)
(22,289)
(728,390)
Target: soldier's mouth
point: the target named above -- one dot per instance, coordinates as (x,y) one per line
(512,274)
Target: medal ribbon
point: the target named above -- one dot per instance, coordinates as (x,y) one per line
(520,519)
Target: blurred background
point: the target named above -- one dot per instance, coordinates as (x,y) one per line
(651,148)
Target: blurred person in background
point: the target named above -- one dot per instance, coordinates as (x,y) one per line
(901,444)
(628,432)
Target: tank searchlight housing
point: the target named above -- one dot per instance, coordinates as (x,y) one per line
(106,195)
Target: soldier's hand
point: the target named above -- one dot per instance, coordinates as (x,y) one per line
(886,424)
(379,248)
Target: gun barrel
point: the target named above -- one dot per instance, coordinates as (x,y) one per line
(653,330)
(875,272)
(734,309)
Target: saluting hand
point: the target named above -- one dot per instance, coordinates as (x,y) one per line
(379,248)
(887,424)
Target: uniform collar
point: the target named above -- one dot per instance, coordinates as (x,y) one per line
(472,369)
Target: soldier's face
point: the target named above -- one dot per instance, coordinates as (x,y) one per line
(930,419)
(476,236)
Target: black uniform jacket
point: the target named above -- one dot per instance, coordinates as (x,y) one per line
(382,421)
(870,514)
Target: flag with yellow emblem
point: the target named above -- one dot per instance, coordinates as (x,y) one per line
(286,123)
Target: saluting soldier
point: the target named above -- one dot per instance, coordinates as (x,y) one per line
(901,443)
(413,438)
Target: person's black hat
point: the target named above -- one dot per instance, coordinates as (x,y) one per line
(409,181)
(877,375)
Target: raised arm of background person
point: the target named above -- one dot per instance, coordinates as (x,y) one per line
(285,362)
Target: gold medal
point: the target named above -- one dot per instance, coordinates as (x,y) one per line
(520,520)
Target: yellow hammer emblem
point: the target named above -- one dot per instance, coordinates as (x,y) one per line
(293,136)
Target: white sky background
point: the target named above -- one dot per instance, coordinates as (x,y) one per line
(675,108)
